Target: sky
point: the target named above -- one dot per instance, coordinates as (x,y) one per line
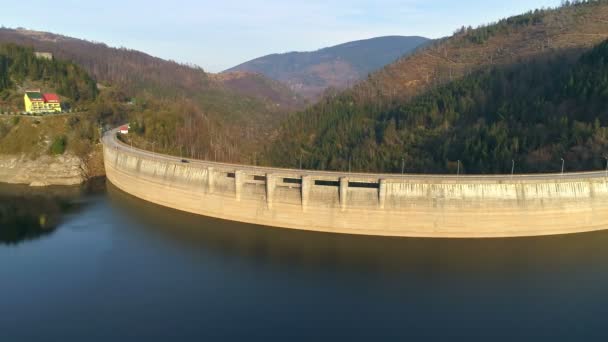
(217,35)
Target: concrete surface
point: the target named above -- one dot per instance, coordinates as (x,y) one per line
(370,204)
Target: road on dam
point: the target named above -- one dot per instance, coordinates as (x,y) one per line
(439,206)
(109,139)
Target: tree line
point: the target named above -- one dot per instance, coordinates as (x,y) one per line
(19,64)
(531,114)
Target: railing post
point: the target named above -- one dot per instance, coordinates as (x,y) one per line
(382,193)
(210,180)
(238,184)
(270,186)
(343,192)
(306,186)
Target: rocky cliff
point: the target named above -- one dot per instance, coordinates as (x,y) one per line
(43,171)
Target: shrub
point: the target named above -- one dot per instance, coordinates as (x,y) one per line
(73,121)
(58,145)
(4,129)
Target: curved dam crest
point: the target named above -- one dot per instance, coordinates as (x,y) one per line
(368,204)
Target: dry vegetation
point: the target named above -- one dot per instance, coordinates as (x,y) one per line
(235,109)
(510,41)
(512,90)
(35,135)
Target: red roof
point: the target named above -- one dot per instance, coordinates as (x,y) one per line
(51,98)
(124,128)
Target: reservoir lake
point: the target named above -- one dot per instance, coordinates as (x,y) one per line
(96,264)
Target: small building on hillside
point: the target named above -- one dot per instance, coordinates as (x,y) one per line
(124,129)
(37,102)
(44,55)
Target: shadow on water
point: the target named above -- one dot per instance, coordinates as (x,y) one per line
(28,213)
(161,274)
(284,247)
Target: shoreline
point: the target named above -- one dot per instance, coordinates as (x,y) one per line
(47,170)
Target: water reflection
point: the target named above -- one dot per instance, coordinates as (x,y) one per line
(158,274)
(318,251)
(28,213)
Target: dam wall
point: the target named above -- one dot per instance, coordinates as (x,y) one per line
(369,204)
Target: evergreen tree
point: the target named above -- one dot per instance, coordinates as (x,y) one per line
(534,113)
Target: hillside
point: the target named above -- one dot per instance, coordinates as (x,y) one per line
(264,88)
(509,41)
(51,149)
(20,70)
(241,108)
(437,106)
(134,71)
(311,73)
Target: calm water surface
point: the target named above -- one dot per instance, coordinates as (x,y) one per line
(103,266)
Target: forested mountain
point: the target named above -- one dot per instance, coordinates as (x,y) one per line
(20,68)
(36,141)
(264,88)
(534,113)
(234,108)
(132,70)
(311,73)
(580,24)
(516,90)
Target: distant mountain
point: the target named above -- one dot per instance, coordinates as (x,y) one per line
(515,90)
(261,87)
(129,69)
(311,73)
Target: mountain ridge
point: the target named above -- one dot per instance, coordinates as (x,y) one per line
(365,124)
(133,69)
(230,109)
(310,73)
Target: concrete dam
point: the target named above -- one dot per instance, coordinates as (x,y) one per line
(367,204)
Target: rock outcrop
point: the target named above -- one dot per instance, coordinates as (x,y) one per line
(42,171)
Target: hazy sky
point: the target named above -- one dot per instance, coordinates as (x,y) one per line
(219,34)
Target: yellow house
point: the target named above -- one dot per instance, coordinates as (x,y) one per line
(36,102)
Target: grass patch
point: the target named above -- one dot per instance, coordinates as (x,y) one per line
(38,135)
(59,145)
